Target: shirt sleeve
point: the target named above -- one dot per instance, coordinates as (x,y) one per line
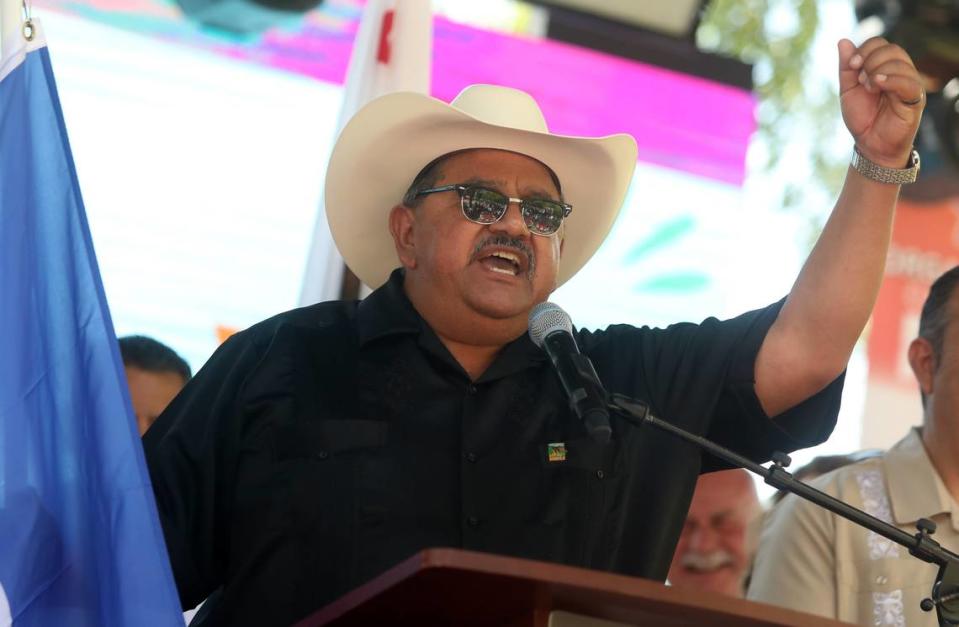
(739,418)
(700,377)
(795,564)
(190,451)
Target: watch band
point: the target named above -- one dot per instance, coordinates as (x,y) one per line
(882,174)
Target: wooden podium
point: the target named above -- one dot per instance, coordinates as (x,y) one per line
(440,587)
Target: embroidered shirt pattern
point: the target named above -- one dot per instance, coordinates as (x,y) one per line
(888,609)
(876,503)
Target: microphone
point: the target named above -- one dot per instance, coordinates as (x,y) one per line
(551,329)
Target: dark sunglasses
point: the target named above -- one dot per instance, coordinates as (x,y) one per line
(485,206)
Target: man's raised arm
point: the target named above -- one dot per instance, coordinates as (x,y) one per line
(810,343)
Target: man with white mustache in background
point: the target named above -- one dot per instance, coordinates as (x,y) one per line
(715,548)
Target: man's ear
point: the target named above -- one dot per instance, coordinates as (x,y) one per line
(402,221)
(922,359)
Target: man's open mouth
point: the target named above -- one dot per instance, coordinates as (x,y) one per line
(505,255)
(504,260)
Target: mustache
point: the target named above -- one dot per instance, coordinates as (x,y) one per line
(506,241)
(705,562)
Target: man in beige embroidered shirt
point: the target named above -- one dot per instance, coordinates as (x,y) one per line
(814,561)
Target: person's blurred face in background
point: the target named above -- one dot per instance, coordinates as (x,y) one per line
(151,392)
(716,545)
(155,375)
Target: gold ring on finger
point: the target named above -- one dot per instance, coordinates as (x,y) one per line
(913,103)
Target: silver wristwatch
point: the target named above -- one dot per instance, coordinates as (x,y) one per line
(876,172)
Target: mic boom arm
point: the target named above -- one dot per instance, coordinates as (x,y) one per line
(945,592)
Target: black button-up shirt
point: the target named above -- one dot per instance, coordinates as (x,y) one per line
(324,445)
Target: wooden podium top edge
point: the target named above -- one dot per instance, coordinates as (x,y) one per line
(561,576)
(609,583)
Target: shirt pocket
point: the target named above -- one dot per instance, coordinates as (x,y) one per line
(321,439)
(330,464)
(320,496)
(885,591)
(318,467)
(579,478)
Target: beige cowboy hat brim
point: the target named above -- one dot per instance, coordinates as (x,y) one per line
(388,142)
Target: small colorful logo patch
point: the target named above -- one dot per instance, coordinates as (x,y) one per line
(556,451)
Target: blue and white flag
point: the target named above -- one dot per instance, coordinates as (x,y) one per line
(80,542)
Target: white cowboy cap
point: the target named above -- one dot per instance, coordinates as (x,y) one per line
(386,144)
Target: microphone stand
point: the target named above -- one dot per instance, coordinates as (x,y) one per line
(945,591)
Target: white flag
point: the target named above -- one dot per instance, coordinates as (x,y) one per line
(391,53)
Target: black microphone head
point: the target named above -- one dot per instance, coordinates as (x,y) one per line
(545,319)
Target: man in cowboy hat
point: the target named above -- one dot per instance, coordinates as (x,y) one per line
(320,447)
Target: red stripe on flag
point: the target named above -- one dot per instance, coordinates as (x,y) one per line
(384,49)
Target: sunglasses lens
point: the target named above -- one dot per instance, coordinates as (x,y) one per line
(543,217)
(484,205)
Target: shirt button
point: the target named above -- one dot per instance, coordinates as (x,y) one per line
(472,521)
(600,474)
(471,388)
(471,458)
(322,454)
(881,580)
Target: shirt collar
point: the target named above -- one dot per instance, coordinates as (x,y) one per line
(915,489)
(516,356)
(388,311)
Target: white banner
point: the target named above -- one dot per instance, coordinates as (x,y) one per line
(392,52)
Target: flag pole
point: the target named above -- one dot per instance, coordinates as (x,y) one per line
(9,40)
